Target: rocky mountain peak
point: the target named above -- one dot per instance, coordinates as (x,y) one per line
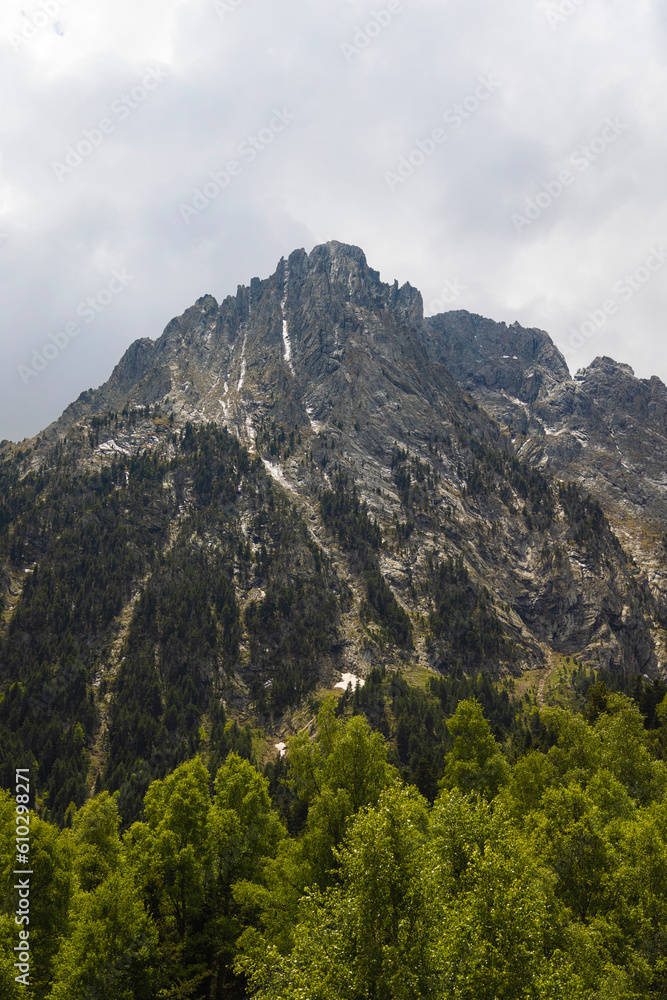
(291,338)
(606,364)
(482,354)
(604,427)
(326,354)
(333,483)
(340,271)
(615,387)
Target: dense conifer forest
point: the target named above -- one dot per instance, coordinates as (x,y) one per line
(85,544)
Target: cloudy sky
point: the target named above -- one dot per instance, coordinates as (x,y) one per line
(507,158)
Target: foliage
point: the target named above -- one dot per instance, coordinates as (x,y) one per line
(129,582)
(541,876)
(348,518)
(466,631)
(110,952)
(475,763)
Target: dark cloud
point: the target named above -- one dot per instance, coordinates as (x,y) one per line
(367,85)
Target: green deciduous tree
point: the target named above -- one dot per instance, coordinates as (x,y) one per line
(51,889)
(337,773)
(576,753)
(243,831)
(570,837)
(496,919)
(476,762)
(112,949)
(9,939)
(365,936)
(169,854)
(635,927)
(624,750)
(96,840)
(176,812)
(386,911)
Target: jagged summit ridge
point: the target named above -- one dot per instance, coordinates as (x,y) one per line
(282,335)
(303,316)
(339,370)
(324,327)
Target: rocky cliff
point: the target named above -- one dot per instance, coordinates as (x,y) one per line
(310,479)
(602,427)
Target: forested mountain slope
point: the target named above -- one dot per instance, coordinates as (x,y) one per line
(306,482)
(283,488)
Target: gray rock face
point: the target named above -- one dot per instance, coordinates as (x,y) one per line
(347,369)
(604,427)
(523,364)
(321,334)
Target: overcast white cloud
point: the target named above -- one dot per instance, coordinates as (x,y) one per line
(170,90)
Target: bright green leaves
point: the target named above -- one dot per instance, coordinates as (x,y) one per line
(188,854)
(527,782)
(493,899)
(572,841)
(243,827)
(111,951)
(383,902)
(451,905)
(617,743)
(541,881)
(357,763)
(97,841)
(9,939)
(476,762)
(624,750)
(363,937)
(545,880)
(343,771)
(177,818)
(51,888)
(637,921)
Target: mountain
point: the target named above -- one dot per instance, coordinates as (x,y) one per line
(602,427)
(306,480)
